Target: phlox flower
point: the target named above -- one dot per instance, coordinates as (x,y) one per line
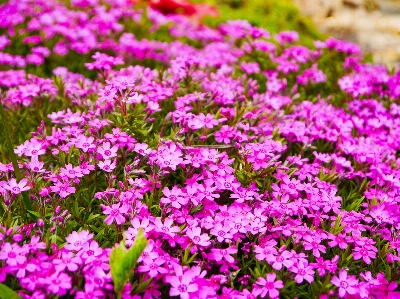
(90,292)
(169,156)
(222,232)
(63,189)
(167,227)
(76,240)
(90,252)
(264,252)
(207,121)
(313,244)
(34,149)
(107,165)
(364,253)
(282,259)
(85,143)
(16,188)
(115,213)
(106,151)
(224,254)
(13,254)
(270,285)
(346,284)
(182,284)
(35,165)
(303,271)
(197,237)
(152,267)
(175,197)
(58,283)
(67,260)
(71,172)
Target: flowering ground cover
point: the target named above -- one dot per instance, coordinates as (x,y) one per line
(147,156)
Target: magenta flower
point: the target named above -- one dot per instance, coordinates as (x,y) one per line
(364,253)
(90,251)
(346,284)
(34,149)
(313,244)
(58,283)
(115,212)
(282,259)
(175,197)
(224,254)
(107,165)
(71,172)
(107,152)
(85,143)
(197,238)
(91,292)
(303,272)
(152,267)
(222,232)
(17,188)
(182,283)
(13,254)
(76,240)
(269,285)
(67,260)
(64,189)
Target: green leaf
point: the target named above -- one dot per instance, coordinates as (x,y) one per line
(17,172)
(7,293)
(123,262)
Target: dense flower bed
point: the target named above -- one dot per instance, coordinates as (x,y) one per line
(255,167)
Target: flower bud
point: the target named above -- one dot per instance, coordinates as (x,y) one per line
(18,238)
(57,210)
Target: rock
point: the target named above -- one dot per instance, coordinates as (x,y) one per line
(373,24)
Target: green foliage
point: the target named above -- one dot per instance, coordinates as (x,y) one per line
(7,293)
(273,15)
(13,157)
(123,262)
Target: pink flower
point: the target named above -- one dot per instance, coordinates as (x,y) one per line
(17,188)
(107,165)
(58,283)
(76,240)
(182,283)
(224,254)
(314,245)
(67,260)
(364,253)
(85,143)
(115,213)
(269,285)
(175,197)
(71,172)
(346,284)
(13,254)
(222,232)
(197,238)
(303,272)
(63,189)
(283,258)
(107,152)
(34,149)
(152,267)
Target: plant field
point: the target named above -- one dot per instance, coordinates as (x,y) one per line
(150,156)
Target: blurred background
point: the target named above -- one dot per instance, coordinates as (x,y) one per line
(373,24)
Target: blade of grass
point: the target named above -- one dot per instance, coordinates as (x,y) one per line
(13,157)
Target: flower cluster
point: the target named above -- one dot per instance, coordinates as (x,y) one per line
(255,166)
